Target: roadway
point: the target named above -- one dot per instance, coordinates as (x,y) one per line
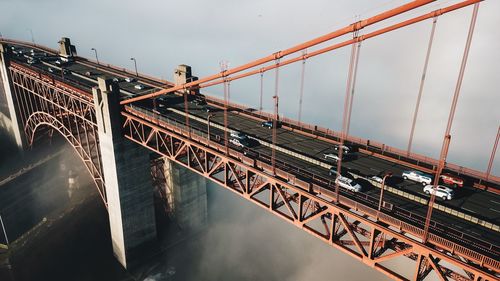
(484,205)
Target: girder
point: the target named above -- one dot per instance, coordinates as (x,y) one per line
(349,226)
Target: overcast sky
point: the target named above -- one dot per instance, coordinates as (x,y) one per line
(163,34)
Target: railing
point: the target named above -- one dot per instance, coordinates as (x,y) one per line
(369,145)
(413,223)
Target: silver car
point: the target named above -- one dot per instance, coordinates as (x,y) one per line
(440,191)
(348,184)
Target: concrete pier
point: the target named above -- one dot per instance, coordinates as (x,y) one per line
(189,195)
(9,116)
(126,168)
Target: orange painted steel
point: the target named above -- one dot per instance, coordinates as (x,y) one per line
(43,101)
(310,206)
(278,55)
(370,147)
(493,152)
(447,133)
(351,41)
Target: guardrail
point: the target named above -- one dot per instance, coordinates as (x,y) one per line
(413,159)
(413,223)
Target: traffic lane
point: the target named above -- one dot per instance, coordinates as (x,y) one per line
(443,218)
(366,164)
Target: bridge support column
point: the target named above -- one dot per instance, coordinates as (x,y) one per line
(126,169)
(9,116)
(189,195)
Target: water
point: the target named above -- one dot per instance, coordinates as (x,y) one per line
(242,241)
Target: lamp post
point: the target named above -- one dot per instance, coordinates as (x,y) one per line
(96,58)
(32,37)
(135,65)
(4,231)
(388,174)
(208,125)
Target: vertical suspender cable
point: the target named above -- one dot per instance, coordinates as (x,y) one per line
(355,73)
(261,89)
(493,152)
(421,87)
(447,135)
(226,104)
(302,85)
(276,116)
(343,133)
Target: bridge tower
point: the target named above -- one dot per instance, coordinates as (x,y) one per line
(189,189)
(126,169)
(9,116)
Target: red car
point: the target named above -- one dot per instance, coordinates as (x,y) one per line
(452,180)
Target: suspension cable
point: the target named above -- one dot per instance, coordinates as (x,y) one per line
(447,135)
(302,75)
(343,133)
(261,89)
(276,115)
(355,74)
(421,88)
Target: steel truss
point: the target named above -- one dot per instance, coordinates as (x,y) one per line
(372,237)
(47,104)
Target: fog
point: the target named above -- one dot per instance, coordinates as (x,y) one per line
(162,34)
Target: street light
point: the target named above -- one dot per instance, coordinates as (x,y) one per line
(208,125)
(96,58)
(135,65)
(387,174)
(4,231)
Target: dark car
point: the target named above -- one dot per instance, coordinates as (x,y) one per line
(269,124)
(209,109)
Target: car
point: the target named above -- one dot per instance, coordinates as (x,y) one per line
(199,101)
(269,124)
(60,62)
(209,109)
(376,179)
(117,79)
(452,180)
(331,156)
(440,191)
(129,79)
(89,73)
(417,176)
(139,87)
(345,149)
(348,184)
(240,142)
(65,71)
(33,60)
(238,135)
(333,171)
(51,70)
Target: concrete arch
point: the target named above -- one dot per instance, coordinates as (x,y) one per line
(39,118)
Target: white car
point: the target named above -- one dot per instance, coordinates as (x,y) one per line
(441,191)
(139,86)
(129,79)
(348,184)
(331,156)
(377,179)
(238,135)
(417,176)
(240,142)
(345,149)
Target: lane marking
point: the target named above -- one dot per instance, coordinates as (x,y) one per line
(496,202)
(495,210)
(468,210)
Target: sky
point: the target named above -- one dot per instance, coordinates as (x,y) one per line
(163,34)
